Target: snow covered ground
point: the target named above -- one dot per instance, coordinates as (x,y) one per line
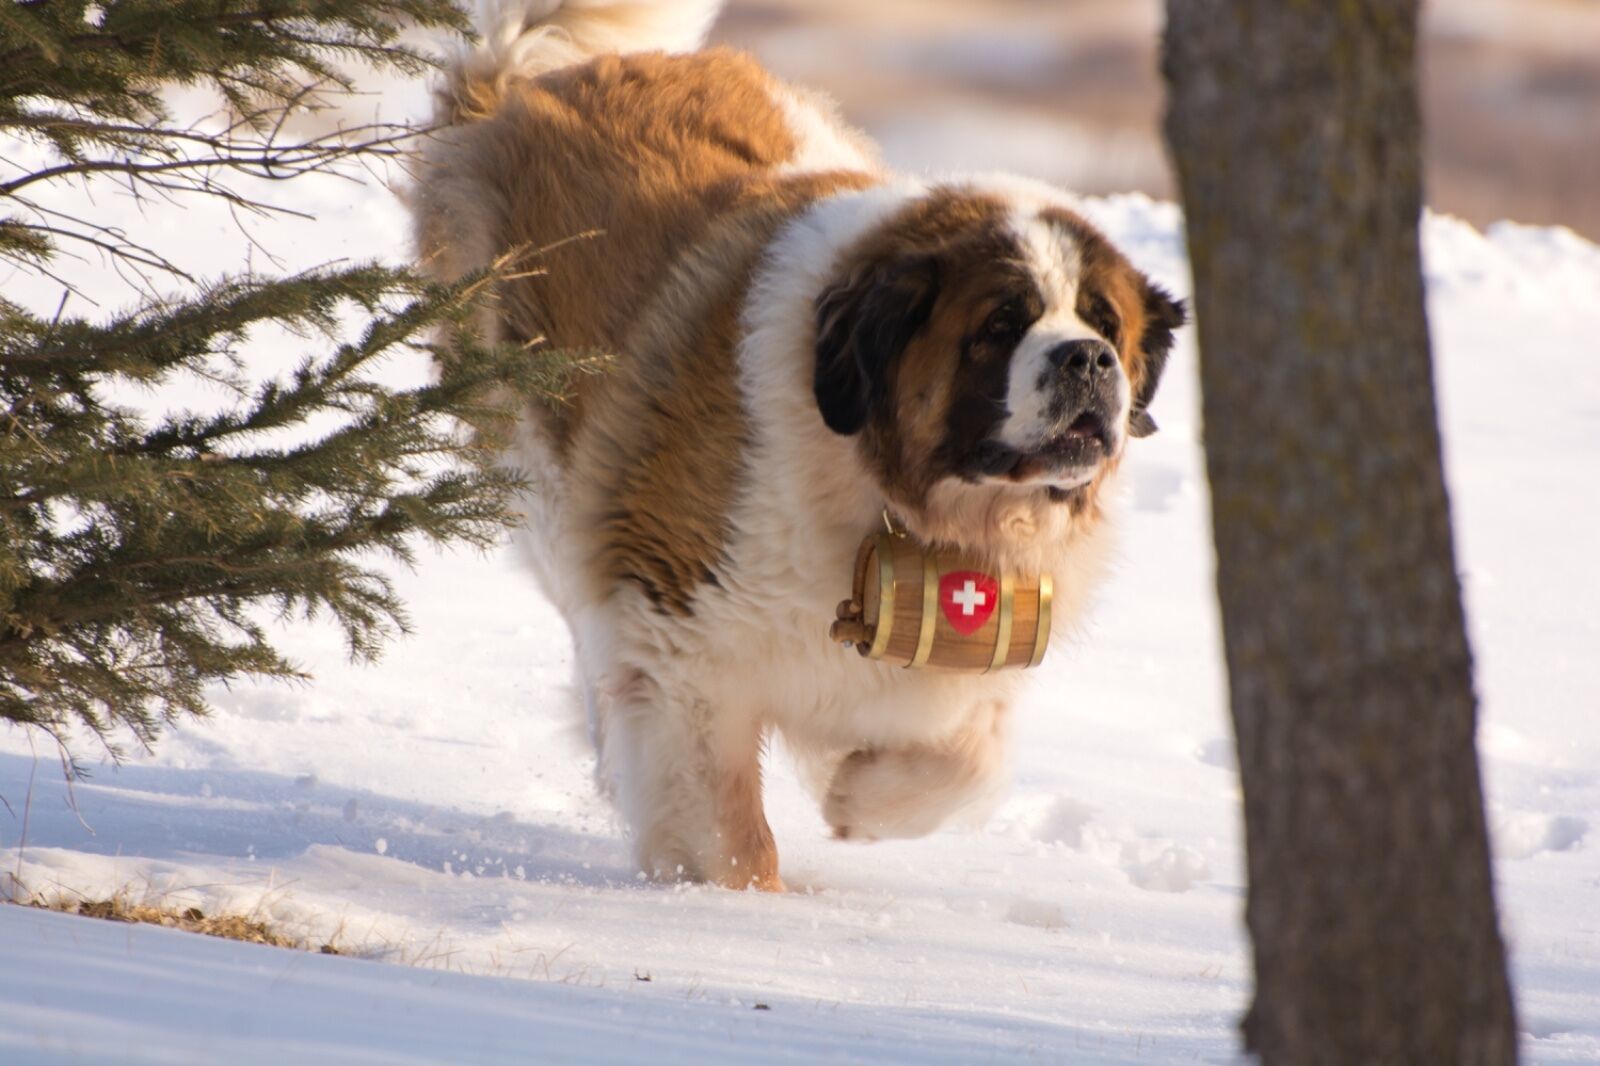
(435,810)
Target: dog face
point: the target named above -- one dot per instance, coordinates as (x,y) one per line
(975,344)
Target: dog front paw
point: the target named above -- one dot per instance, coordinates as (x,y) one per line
(839,808)
(878,795)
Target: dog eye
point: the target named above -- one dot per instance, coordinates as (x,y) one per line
(1005,323)
(1103,318)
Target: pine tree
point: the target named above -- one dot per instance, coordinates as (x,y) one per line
(141,555)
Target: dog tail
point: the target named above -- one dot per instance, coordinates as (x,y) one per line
(526,38)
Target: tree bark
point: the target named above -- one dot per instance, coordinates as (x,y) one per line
(1295,130)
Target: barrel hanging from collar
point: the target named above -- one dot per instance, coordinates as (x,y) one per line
(918,606)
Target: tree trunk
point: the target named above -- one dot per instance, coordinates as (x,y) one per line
(1295,130)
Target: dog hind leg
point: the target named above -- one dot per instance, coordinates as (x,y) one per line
(748,856)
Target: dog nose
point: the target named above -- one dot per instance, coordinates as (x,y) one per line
(1083,359)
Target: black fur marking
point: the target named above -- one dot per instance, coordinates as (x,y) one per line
(1140,424)
(1163,315)
(1095,310)
(863,324)
(983,383)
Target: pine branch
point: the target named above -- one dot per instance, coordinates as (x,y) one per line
(92,95)
(169,526)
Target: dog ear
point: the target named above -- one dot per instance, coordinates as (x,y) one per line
(1163,315)
(864,321)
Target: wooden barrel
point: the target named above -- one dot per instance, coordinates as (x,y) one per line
(915,606)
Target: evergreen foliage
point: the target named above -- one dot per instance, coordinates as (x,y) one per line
(140,554)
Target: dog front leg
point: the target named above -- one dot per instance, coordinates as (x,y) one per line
(911,790)
(687,780)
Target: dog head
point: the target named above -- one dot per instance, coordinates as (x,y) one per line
(984,351)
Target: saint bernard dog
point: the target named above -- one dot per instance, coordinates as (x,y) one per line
(800,342)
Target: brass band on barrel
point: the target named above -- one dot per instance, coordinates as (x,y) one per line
(930,610)
(1041,636)
(880,636)
(1002,633)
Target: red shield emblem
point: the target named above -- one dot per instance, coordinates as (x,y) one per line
(968,598)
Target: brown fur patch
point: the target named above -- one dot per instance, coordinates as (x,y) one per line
(611,168)
(658,457)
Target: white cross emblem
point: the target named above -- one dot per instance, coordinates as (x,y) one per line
(969,599)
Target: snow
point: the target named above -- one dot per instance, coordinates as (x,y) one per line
(131,989)
(435,811)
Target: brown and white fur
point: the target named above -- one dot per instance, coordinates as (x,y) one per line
(801,341)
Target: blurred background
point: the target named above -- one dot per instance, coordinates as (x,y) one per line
(1069,91)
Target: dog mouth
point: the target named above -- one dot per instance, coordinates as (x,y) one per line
(1063,456)
(1087,428)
